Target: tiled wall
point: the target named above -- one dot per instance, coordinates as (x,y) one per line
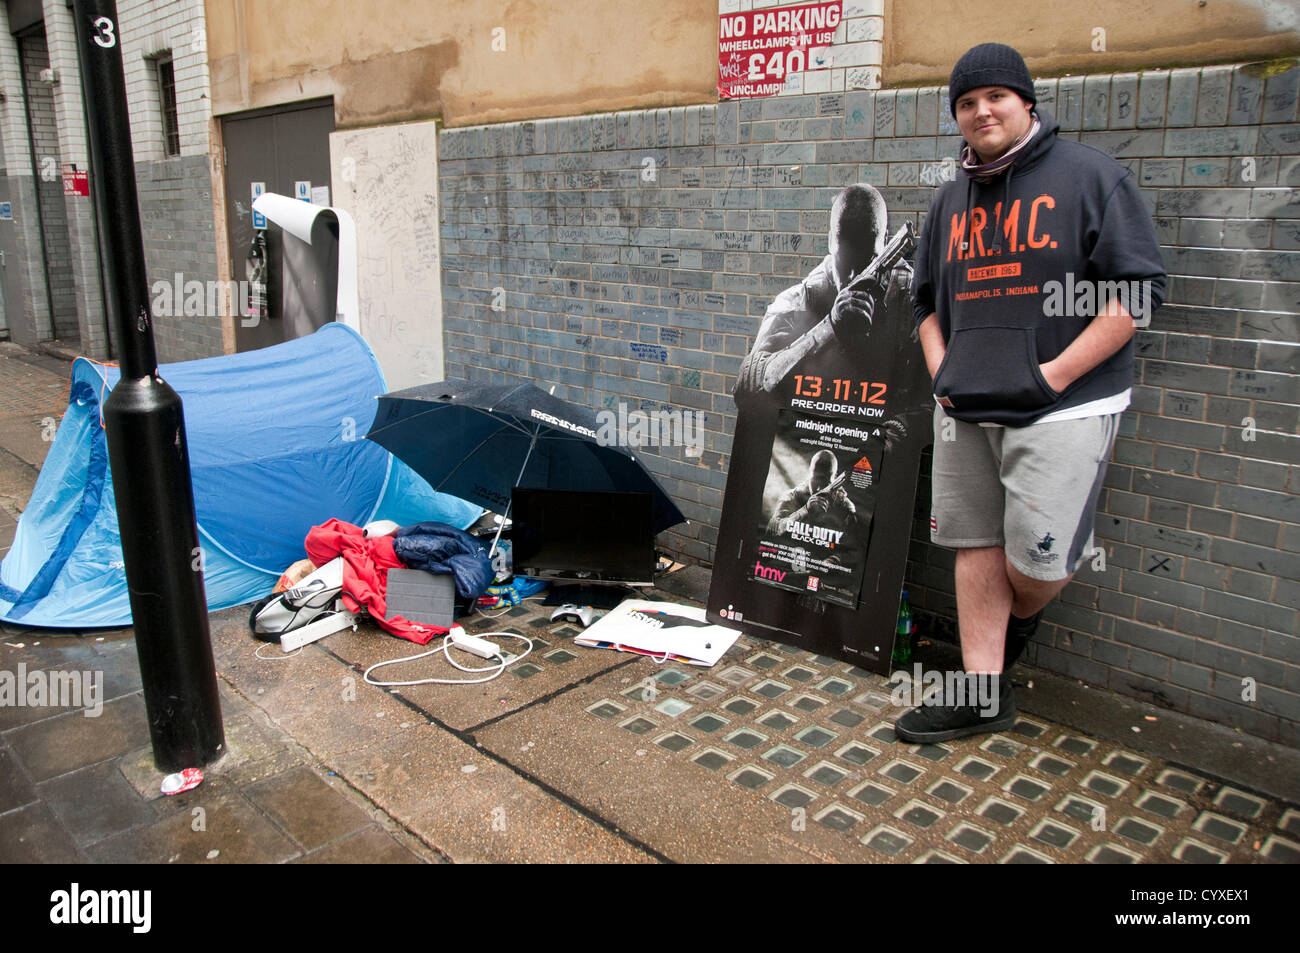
(175,193)
(151,28)
(176,222)
(49,189)
(28,317)
(638,251)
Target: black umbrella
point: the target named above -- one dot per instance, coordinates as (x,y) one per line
(478,441)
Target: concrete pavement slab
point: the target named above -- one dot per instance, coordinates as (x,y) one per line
(15,789)
(473,808)
(311,697)
(255,750)
(27,437)
(388,751)
(138,770)
(57,745)
(33,384)
(616,764)
(492,816)
(95,803)
(807,732)
(259,749)
(551,667)
(314,697)
(32,401)
(306,808)
(228,826)
(17,477)
(8,527)
(370,845)
(46,648)
(33,835)
(16,716)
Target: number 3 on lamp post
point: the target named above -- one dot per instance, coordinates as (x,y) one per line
(106,37)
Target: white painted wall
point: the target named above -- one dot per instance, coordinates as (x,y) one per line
(386,177)
(148,29)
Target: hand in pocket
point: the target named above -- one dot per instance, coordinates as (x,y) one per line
(1048,371)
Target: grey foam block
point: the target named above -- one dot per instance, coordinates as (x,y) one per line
(425,597)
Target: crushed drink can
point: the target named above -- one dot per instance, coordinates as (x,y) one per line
(182,781)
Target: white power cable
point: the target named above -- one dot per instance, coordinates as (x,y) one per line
(277,658)
(445,649)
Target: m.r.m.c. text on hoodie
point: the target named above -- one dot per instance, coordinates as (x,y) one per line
(1016,267)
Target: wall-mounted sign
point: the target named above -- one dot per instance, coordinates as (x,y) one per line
(6,211)
(758,49)
(75,181)
(302,191)
(259,220)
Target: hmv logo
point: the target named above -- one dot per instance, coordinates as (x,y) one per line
(776,575)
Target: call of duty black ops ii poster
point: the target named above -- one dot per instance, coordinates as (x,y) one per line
(817,505)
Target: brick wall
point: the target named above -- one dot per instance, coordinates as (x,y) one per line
(175,193)
(73,148)
(49,188)
(674,228)
(176,220)
(151,28)
(28,311)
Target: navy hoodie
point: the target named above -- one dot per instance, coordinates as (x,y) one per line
(1012,268)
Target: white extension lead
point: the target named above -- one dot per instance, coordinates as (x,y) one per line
(461,640)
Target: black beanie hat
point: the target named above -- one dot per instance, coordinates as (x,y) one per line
(990,64)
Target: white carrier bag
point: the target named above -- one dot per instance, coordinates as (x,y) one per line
(313,598)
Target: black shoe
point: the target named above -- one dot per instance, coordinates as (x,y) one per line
(1019,632)
(943,720)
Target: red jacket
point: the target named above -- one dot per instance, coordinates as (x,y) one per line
(365,575)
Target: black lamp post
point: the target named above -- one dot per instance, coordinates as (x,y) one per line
(145,427)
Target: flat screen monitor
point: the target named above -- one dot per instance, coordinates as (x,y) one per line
(581,536)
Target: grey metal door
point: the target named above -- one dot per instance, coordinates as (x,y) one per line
(11,276)
(279,147)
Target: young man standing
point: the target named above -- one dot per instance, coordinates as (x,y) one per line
(1034,268)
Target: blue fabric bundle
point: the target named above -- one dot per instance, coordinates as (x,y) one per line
(441,548)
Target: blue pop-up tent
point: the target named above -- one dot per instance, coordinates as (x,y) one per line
(276,442)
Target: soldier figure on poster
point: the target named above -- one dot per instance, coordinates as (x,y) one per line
(830,394)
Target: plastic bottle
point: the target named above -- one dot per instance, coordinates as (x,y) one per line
(903,633)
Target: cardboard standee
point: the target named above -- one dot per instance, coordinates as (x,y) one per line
(872,385)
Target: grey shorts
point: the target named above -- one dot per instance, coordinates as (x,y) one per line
(1031,490)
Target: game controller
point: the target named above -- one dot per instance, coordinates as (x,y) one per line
(582,615)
